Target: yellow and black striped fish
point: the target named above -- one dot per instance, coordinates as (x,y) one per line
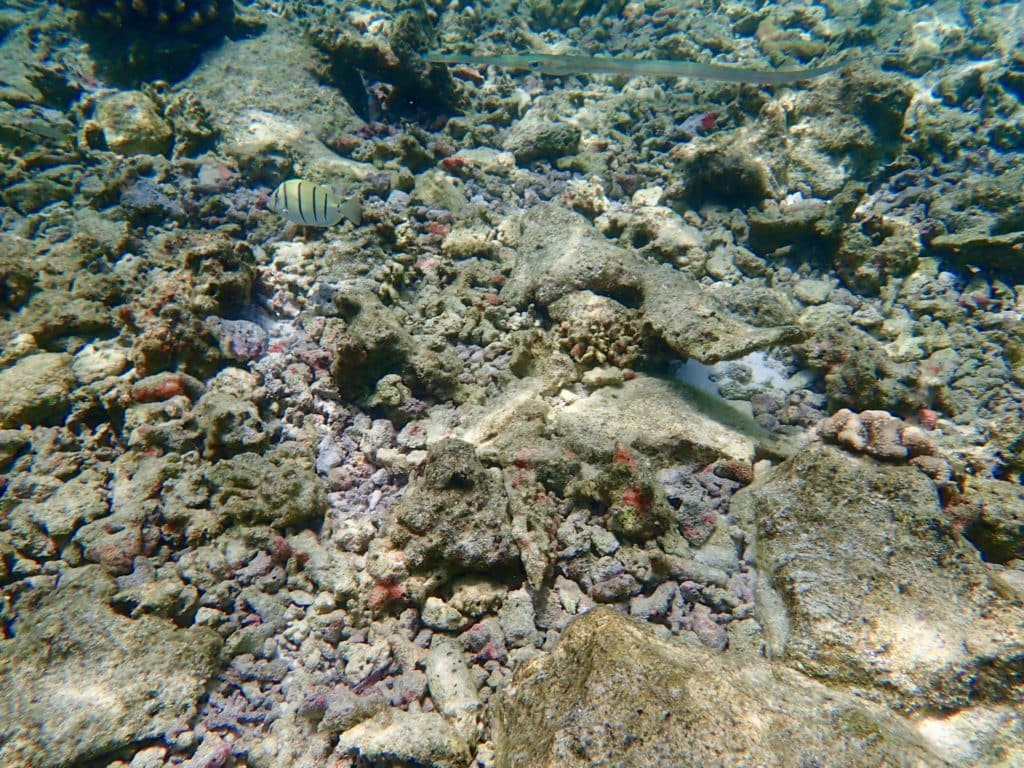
(313,204)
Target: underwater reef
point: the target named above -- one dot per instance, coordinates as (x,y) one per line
(151,39)
(399,383)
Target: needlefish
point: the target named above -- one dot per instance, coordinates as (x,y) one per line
(313,204)
(605,65)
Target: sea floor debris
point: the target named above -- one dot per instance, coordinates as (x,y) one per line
(616,379)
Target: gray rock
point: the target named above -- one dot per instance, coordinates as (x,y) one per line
(517,619)
(327,567)
(16,279)
(996,520)
(37,192)
(81,681)
(439,615)
(372,345)
(615,589)
(32,124)
(809,291)
(452,687)
(271,111)
(280,489)
(455,515)
(613,693)
(437,189)
(633,504)
(144,201)
(229,425)
(560,252)
(167,597)
(857,371)
(538,136)
(149,757)
(532,511)
(658,418)
(79,500)
(94,363)
(723,168)
(213,751)
(655,606)
(132,125)
(12,442)
(698,325)
(405,738)
(240,340)
(36,390)
(879,591)
(758,305)
(116,539)
(345,708)
(367,663)
(475,597)
(707,630)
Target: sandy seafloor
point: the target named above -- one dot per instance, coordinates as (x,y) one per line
(640,421)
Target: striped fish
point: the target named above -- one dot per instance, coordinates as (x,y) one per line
(313,204)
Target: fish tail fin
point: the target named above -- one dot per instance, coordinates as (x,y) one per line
(352,210)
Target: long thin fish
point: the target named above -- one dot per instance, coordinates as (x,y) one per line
(603,65)
(313,204)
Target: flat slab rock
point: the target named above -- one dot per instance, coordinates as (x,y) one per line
(868,584)
(613,693)
(394,737)
(657,417)
(80,680)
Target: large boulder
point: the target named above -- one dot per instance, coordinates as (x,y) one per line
(273,114)
(80,681)
(455,514)
(612,692)
(994,514)
(865,581)
(560,252)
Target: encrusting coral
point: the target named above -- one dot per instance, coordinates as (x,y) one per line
(149,39)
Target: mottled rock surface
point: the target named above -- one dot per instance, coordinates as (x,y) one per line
(283,115)
(657,417)
(131,124)
(613,693)
(993,515)
(907,615)
(538,136)
(694,323)
(559,252)
(279,489)
(36,390)
(79,680)
(405,738)
(455,514)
